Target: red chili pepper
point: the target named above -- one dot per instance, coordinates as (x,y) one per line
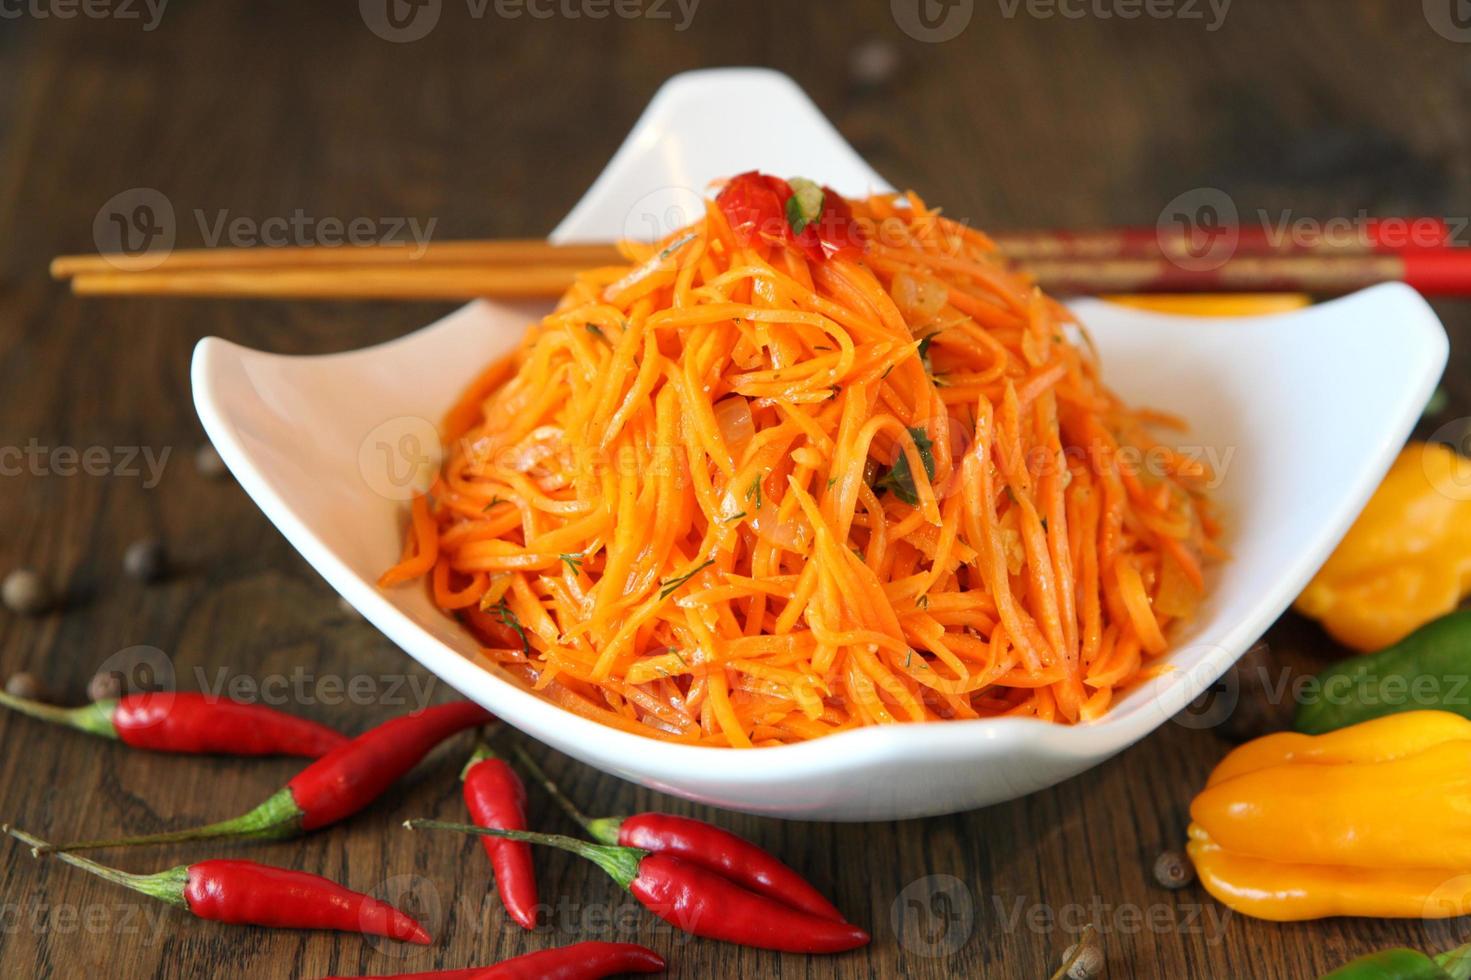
(176,721)
(693,898)
(496,797)
(335,786)
(247,893)
(697,842)
(756,206)
(580,961)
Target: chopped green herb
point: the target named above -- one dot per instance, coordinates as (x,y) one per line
(836,391)
(832,481)
(857,551)
(735,517)
(676,245)
(923,601)
(574,561)
(924,350)
(805,204)
(493,501)
(886,372)
(821,347)
(670,586)
(900,480)
(755,492)
(597,332)
(508,617)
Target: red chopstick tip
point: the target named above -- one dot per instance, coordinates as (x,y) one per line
(1445,272)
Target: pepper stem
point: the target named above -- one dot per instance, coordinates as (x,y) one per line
(167,886)
(604,830)
(621,863)
(1456,962)
(278,817)
(95,718)
(482,752)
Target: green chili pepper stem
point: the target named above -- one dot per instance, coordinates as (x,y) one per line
(482,752)
(1456,962)
(167,886)
(278,817)
(95,718)
(621,863)
(604,830)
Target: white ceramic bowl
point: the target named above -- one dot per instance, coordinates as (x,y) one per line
(1304,412)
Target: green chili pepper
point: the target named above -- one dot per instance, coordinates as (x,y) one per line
(1429,669)
(1406,964)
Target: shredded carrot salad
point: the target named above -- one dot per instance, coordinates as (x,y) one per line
(734,494)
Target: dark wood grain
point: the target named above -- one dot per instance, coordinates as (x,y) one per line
(493,127)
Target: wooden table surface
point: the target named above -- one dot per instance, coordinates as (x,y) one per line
(491,126)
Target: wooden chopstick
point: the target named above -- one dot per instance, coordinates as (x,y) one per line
(387,282)
(511,252)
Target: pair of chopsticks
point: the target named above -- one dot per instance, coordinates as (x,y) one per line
(1067,263)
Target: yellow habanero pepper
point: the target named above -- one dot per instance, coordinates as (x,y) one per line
(1406,560)
(1373,819)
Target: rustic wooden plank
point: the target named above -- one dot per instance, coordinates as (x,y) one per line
(492,127)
